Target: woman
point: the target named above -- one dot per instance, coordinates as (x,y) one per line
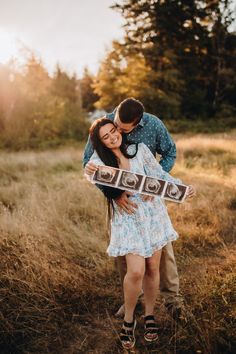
(140,236)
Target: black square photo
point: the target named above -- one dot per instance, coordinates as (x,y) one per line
(106,175)
(129,180)
(175,192)
(153,186)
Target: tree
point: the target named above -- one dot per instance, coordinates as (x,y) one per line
(89,97)
(122,75)
(36,109)
(182,33)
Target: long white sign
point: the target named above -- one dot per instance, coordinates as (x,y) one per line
(134,182)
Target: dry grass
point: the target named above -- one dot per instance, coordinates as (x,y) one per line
(58,288)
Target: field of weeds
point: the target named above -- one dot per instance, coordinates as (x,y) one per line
(58,288)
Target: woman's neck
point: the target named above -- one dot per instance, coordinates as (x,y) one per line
(123,161)
(117,153)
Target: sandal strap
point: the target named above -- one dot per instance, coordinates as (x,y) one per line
(129,324)
(124,338)
(127,332)
(151,325)
(149,318)
(151,331)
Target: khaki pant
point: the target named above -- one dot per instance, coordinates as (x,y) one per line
(169,279)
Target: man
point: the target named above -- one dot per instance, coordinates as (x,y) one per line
(140,126)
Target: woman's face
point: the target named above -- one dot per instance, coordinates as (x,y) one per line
(110,136)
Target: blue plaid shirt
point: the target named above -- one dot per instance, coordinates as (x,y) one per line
(152,132)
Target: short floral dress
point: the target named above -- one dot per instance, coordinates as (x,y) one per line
(150,228)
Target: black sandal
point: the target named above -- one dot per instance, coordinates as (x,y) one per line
(127,336)
(151,329)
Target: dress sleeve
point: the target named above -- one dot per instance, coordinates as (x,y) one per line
(97,161)
(152,167)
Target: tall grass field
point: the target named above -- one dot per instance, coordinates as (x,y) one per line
(58,288)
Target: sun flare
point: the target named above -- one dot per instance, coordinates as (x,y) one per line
(8,45)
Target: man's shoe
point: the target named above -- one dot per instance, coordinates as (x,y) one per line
(175,310)
(121,312)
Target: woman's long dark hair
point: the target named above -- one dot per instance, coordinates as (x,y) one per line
(107,156)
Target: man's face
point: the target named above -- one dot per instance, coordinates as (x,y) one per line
(124,127)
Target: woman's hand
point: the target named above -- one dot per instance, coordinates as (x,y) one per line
(90,168)
(191,192)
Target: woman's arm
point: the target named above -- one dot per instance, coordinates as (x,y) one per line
(153,168)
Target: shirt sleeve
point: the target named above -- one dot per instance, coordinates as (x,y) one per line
(165,147)
(152,167)
(88,152)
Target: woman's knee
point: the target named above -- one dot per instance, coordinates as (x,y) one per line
(136,274)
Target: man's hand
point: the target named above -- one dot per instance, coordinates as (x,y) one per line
(90,168)
(147,198)
(125,204)
(191,192)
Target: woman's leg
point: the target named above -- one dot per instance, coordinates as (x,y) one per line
(151,282)
(150,287)
(133,283)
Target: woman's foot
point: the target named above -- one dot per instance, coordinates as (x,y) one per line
(127,336)
(151,329)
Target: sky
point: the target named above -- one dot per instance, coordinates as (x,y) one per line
(73,33)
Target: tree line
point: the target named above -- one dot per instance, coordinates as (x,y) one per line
(176,56)
(37,109)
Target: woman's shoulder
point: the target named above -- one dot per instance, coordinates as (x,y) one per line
(96,159)
(141,147)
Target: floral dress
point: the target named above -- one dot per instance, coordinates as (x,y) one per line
(150,228)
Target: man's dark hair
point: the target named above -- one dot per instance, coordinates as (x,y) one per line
(130,111)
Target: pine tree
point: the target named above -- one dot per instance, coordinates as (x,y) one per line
(89,97)
(180,32)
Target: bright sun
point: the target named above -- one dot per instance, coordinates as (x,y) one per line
(8,45)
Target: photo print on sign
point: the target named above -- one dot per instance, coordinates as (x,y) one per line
(175,192)
(127,180)
(153,186)
(106,175)
(130,181)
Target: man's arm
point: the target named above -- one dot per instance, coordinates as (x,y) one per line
(88,151)
(165,147)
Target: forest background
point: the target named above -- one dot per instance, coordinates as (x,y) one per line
(177,57)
